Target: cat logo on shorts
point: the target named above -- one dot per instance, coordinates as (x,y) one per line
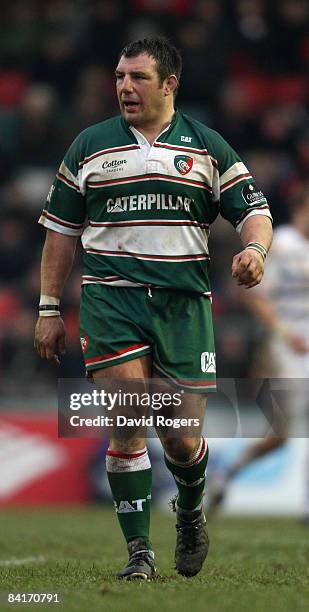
(50,193)
(208,363)
(84,343)
(183,163)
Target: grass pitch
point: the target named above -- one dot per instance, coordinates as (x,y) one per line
(253,564)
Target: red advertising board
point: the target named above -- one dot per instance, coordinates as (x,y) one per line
(38,468)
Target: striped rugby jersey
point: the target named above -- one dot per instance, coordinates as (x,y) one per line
(144,211)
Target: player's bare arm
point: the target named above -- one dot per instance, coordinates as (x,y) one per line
(256,237)
(57,259)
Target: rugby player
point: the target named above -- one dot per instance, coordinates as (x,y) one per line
(142,189)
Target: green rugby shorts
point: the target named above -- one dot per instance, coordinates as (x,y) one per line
(118,324)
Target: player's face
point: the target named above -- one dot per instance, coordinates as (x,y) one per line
(140,94)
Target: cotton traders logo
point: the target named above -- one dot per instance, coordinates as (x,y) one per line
(183,163)
(114,163)
(252,195)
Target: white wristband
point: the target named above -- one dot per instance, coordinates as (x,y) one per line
(48,300)
(259,248)
(49,306)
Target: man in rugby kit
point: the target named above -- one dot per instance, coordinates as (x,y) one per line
(142,189)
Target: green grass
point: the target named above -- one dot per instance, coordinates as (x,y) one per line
(254,565)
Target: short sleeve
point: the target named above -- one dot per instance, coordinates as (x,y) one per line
(65,208)
(240,197)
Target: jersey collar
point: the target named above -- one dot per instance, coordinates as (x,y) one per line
(137,136)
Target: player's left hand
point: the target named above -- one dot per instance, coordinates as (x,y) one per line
(248,268)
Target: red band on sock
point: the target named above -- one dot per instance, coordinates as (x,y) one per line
(201,453)
(120,455)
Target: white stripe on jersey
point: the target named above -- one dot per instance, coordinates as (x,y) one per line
(236,173)
(167,241)
(262,210)
(67,176)
(144,164)
(61,228)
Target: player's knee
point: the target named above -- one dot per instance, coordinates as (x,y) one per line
(182,449)
(127,446)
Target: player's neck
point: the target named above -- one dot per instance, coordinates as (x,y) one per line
(151,132)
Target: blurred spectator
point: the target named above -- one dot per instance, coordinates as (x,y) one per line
(204,41)
(20,33)
(302,152)
(94,99)
(16,245)
(30,135)
(106,24)
(234,117)
(291,21)
(280,124)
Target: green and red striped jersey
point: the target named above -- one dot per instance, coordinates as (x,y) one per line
(144,212)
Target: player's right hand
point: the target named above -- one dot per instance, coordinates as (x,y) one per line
(49,338)
(248,268)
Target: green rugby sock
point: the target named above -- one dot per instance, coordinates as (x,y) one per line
(130,480)
(190,478)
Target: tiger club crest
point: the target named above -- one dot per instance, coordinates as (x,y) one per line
(84,343)
(183,163)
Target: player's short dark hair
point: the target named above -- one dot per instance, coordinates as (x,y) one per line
(167,57)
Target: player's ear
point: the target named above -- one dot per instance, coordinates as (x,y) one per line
(170,84)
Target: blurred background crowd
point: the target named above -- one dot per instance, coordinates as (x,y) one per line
(245,74)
